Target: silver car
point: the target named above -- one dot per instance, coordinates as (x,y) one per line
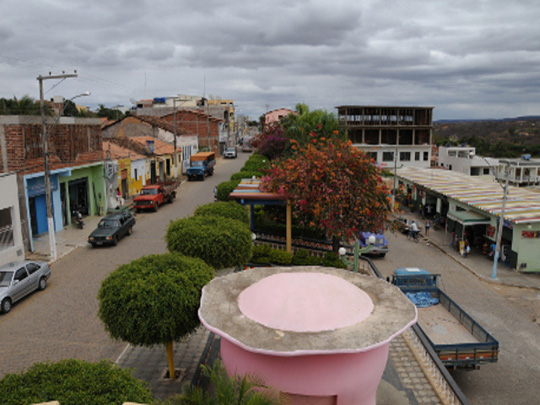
(17,280)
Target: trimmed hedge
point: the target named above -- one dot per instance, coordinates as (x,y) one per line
(74,382)
(220,242)
(229,209)
(264,254)
(226,188)
(256,162)
(154,299)
(245,175)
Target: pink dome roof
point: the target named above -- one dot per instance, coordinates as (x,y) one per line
(305,302)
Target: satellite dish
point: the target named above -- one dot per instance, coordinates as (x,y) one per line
(132,101)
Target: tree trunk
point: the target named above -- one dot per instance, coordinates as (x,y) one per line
(170,359)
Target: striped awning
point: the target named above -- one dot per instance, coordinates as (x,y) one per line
(483,193)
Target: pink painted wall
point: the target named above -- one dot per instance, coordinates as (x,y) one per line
(276,115)
(354,378)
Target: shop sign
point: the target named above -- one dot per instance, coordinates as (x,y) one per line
(530,234)
(36,186)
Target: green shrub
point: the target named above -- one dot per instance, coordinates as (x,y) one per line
(281,257)
(302,258)
(256,162)
(153,299)
(331,259)
(220,242)
(226,188)
(261,254)
(74,382)
(245,175)
(229,209)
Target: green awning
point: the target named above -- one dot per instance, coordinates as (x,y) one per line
(468,218)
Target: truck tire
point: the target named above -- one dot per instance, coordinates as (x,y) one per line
(156,207)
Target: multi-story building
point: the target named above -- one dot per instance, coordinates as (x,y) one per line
(463,159)
(393,136)
(523,171)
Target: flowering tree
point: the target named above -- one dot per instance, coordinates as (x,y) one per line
(271,142)
(331,186)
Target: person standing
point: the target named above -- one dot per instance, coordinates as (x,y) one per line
(428,225)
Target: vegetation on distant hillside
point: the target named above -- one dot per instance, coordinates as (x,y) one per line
(492,138)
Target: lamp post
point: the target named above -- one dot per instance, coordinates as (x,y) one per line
(46,171)
(356,253)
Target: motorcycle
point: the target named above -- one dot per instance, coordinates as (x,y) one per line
(79,219)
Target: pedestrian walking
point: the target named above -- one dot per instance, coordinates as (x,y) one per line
(428,225)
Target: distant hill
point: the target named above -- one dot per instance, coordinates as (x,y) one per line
(497,138)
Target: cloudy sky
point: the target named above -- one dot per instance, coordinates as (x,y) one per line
(467,58)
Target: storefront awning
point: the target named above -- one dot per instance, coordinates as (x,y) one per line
(468,218)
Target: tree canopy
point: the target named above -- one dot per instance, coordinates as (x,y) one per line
(331,186)
(154,299)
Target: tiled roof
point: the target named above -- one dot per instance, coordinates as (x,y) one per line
(160,147)
(119,152)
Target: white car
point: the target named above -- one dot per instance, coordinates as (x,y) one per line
(230,153)
(17,280)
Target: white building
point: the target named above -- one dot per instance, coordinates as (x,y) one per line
(463,159)
(11,240)
(523,171)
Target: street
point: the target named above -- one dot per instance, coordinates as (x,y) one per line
(61,322)
(512,380)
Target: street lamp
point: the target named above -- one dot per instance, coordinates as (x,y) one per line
(46,171)
(497,252)
(356,252)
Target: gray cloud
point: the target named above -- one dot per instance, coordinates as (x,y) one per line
(467,59)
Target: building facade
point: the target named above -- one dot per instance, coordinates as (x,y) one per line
(75,167)
(394,137)
(463,159)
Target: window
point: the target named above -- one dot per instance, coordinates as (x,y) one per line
(21,274)
(388,156)
(405,156)
(426,156)
(136,174)
(6,229)
(486,170)
(32,268)
(373,155)
(417,156)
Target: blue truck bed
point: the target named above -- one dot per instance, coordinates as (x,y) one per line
(458,339)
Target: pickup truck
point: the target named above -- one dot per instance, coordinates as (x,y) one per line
(152,196)
(201,165)
(455,336)
(379,247)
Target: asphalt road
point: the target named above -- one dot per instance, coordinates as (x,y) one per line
(514,378)
(61,322)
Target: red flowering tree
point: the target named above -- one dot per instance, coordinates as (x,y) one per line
(331,186)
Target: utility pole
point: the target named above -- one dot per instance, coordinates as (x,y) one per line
(174,142)
(44,137)
(501,224)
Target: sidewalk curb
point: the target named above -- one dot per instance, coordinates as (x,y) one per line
(479,276)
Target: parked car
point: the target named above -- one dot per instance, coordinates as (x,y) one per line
(230,153)
(112,228)
(17,280)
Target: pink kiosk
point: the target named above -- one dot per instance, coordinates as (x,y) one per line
(317,335)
